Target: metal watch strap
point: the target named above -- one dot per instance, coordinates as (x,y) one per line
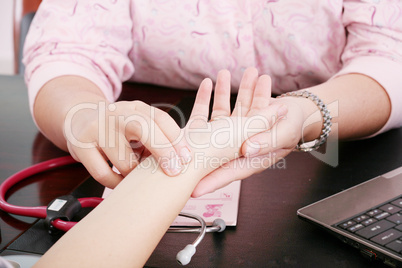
(326,117)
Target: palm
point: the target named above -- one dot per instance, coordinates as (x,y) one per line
(253,100)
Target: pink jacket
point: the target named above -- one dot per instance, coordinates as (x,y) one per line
(177,43)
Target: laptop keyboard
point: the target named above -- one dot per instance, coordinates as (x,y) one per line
(381,225)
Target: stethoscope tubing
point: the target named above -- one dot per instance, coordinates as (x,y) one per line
(202,230)
(183,257)
(40,211)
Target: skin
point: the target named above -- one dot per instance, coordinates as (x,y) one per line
(68,108)
(53,112)
(359,105)
(158,199)
(147,201)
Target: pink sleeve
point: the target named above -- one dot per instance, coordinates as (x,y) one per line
(374,48)
(89,38)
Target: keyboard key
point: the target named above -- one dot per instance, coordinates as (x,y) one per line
(390,208)
(369,221)
(361,218)
(375,229)
(398,202)
(396,218)
(382,215)
(374,212)
(386,237)
(395,246)
(347,224)
(399,227)
(356,227)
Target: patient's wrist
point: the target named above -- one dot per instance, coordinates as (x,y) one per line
(215,143)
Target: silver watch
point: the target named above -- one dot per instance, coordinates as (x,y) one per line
(326,127)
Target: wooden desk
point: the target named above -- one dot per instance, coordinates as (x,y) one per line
(268,233)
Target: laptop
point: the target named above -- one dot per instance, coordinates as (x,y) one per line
(367,216)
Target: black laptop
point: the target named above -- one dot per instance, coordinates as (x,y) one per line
(367,217)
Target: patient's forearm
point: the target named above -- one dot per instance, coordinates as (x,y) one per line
(125,228)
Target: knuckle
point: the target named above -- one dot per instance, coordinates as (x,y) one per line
(117,107)
(138,105)
(293,136)
(163,115)
(101,175)
(166,154)
(125,166)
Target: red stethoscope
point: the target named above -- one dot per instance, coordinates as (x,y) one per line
(41,211)
(61,210)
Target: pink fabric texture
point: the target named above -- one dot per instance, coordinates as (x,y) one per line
(178,43)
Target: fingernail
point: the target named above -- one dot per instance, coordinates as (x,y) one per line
(253,148)
(185,155)
(282,111)
(173,166)
(114,168)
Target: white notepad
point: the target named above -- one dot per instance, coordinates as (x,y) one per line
(223,203)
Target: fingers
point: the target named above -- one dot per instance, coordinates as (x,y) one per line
(160,134)
(261,108)
(261,95)
(201,105)
(173,133)
(245,95)
(213,181)
(237,169)
(97,166)
(121,155)
(284,135)
(123,123)
(221,105)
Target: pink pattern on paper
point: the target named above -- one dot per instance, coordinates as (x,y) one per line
(213,210)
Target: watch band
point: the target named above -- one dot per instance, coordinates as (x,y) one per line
(326,127)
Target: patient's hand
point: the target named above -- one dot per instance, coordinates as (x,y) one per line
(253,113)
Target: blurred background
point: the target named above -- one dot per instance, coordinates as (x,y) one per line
(6,39)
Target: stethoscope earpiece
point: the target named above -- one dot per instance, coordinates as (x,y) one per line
(218,223)
(184,256)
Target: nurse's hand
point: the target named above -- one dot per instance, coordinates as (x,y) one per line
(253,101)
(124,133)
